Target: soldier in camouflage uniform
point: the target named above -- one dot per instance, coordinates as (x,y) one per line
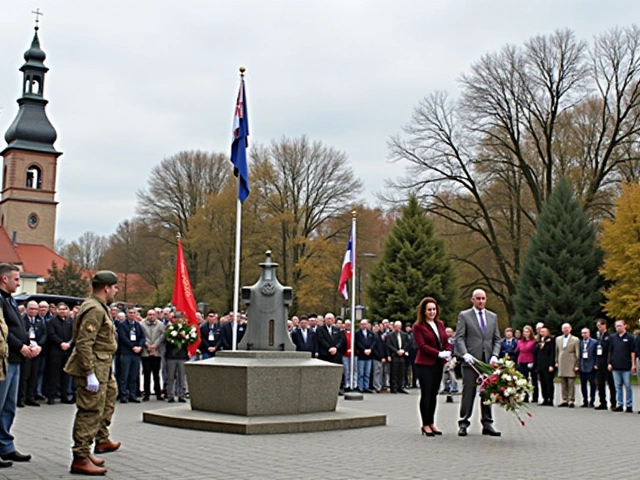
(94,337)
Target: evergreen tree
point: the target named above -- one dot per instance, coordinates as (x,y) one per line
(559,280)
(621,242)
(413,265)
(68,280)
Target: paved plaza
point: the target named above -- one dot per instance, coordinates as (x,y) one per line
(557,443)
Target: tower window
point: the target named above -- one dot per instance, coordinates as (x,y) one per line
(34,177)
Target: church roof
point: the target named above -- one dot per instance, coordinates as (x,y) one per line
(8,253)
(38,258)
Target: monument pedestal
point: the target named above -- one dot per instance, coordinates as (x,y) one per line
(256,392)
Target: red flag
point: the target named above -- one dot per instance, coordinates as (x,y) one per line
(183,298)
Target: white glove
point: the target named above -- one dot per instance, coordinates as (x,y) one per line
(93,385)
(446,354)
(529,365)
(467,357)
(493,360)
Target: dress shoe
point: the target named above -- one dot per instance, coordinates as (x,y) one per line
(51,401)
(182,400)
(84,466)
(134,400)
(449,399)
(584,405)
(5,464)
(68,401)
(106,447)
(462,431)
(402,390)
(491,432)
(98,462)
(601,407)
(563,404)
(171,400)
(629,410)
(145,399)
(20,404)
(32,403)
(617,409)
(160,398)
(16,456)
(39,397)
(427,434)
(591,405)
(572,405)
(368,390)
(124,400)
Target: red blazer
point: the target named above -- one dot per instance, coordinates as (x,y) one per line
(427,343)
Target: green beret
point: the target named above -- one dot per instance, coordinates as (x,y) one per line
(105,277)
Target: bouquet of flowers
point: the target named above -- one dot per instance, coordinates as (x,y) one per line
(501,383)
(179,334)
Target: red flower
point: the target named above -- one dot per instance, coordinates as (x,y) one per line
(522,423)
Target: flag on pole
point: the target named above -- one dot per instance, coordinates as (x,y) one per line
(347,268)
(240,144)
(183,298)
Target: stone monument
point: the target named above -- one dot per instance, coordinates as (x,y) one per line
(265,386)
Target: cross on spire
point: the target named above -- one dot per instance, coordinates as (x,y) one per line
(37,13)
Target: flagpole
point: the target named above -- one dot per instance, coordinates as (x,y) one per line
(236,274)
(353,298)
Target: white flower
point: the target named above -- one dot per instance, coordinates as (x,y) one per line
(174,333)
(506,377)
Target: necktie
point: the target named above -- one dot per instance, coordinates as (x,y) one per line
(399,342)
(483,325)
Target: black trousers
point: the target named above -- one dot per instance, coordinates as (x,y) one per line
(28,379)
(397,373)
(588,379)
(532,374)
(603,378)
(430,378)
(57,381)
(151,366)
(546,385)
(469,387)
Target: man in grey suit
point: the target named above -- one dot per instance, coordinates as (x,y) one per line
(477,338)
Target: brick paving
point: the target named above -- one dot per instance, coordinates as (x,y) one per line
(559,443)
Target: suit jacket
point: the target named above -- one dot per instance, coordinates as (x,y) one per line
(428,345)
(39,334)
(327,340)
(392,344)
(545,354)
(125,344)
(18,335)
(226,334)
(364,342)
(59,331)
(567,357)
(587,364)
(470,339)
(311,345)
(216,341)
(380,350)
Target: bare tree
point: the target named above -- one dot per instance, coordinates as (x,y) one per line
(179,185)
(526,116)
(301,185)
(87,251)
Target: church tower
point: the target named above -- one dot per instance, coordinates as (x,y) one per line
(27,198)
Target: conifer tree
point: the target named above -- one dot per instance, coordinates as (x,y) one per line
(68,280)
(559,280)
(621,241)
(414,264)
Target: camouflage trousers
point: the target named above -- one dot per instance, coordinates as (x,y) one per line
(93,415)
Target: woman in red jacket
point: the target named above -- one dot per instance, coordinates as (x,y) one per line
(430,338)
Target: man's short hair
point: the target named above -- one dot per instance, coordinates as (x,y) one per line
(7,268)
(62,304)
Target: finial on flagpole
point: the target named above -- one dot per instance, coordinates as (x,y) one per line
(354,213)
(178,235)
(242,70)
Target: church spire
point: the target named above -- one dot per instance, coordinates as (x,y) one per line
(31,129)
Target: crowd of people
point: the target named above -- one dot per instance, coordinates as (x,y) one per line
(43,358)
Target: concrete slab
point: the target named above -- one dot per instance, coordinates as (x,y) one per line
(340,419)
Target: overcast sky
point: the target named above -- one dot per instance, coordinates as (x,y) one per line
(134,81)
